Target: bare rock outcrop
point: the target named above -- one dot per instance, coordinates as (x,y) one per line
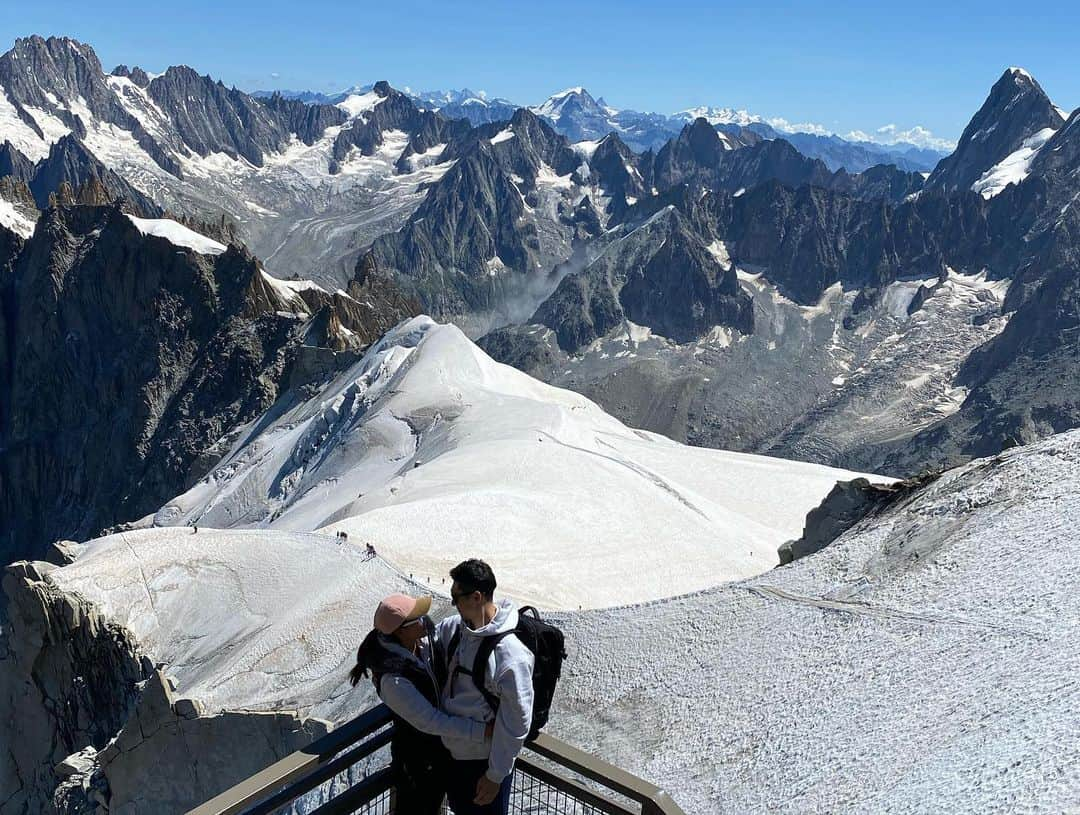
(69,680)
(845,505)
(89,725)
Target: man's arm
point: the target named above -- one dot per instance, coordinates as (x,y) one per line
(402,697)
(512,723)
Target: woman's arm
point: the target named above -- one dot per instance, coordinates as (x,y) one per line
(402,697)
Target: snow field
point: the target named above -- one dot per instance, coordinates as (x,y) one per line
(925,662)
(1014,167)
(177,234)
(14,220)
(244,619)
(433,452)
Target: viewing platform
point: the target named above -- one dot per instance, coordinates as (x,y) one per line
(351,764)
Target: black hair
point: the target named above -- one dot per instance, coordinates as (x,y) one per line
(475,575)
(365,655)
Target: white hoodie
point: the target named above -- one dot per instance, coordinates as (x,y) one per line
(508,676)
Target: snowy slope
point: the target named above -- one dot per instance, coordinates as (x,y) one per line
(177,234)
(1013,168)
(925,662)
(14,220)
(244,619)
(433,452)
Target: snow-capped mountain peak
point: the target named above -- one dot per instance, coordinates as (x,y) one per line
(1020,74)
(717,116)
(568,102)
(1014,113)
(427,433)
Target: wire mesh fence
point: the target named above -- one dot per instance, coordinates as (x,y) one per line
(536,796)
(536,790)
(382,804)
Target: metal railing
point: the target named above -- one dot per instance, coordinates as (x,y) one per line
(550,778)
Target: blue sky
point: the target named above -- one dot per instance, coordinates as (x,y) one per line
(842,65)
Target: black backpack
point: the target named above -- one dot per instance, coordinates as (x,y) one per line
(548,646)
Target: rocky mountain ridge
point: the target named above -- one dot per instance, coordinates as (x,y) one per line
(124,352)
(720,237)
(574,113)
(890,253)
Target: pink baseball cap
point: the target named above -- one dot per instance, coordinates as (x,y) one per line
(398,609)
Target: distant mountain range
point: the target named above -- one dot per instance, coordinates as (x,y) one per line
(575,114)
(211,314)
(725,288)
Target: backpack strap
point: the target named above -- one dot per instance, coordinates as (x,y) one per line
(455,641)
(483,653)
(445,657)
(440,661)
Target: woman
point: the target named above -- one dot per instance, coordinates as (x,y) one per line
(398,654)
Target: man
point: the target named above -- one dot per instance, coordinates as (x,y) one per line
(480,775)
(397,653)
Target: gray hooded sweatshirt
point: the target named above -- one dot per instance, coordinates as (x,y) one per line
(508,676)
(402,697)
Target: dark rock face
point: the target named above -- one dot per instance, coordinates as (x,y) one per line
(308,122)
(1016,108)
(659,275)
(580,310)
(70,163)
(810,238)
(212,118)
(65,69)
(469,217)
(772,160)
(846,504)
(886,182)
(682,291)
(15,191)
(694,156)
(140,77)
(134,359)
(699,158)
(38,72)
(512,344)
(14,163)
(473,217)
(10,247)
(69,680)
(614,167)
(807,238)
